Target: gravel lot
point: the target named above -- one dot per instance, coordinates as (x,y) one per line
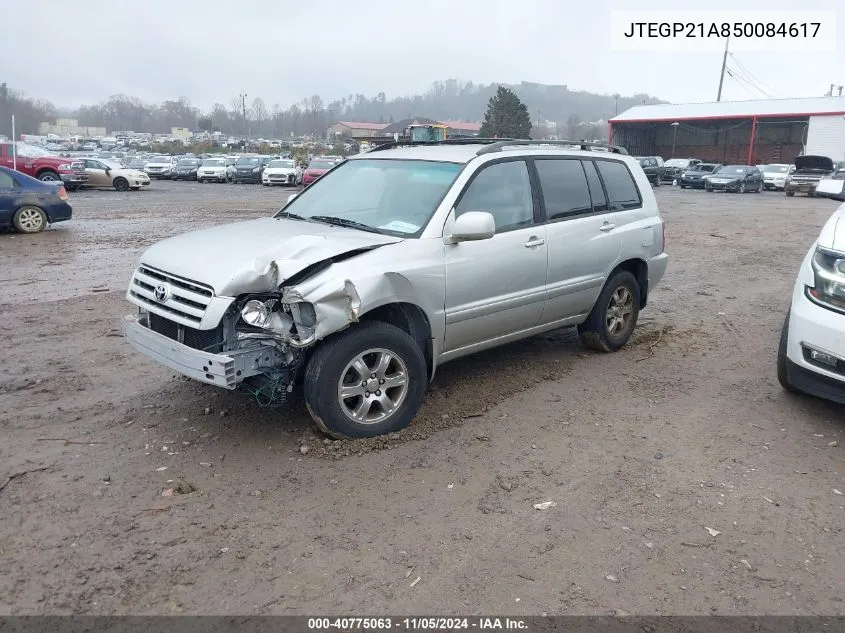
(646,452)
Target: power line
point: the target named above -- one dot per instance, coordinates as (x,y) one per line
(754,77)
(747,86)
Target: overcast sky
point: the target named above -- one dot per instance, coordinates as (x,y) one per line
(283,51)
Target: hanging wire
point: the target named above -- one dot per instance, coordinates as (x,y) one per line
(745,84)
(755,78)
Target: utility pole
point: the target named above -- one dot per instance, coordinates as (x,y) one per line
(243,107)
(839,88)
(724,65)
(14,146)
(829,93)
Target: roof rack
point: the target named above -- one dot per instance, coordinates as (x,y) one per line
(500,144)
(448,141)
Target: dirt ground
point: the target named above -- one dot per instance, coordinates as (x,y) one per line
(685,480)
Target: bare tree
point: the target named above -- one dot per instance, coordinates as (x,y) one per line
(259,113)
(572,124)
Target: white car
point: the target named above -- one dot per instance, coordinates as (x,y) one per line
(161,167)
(811,357)
(108,173)
(282,171)
(212,169)
(832,186)
(774,175)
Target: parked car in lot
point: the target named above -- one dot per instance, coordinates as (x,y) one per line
(137,163)
(735,178)
(43,165)
(832,186)
(811,355)
(28,205)
(161,167)
(653,168)
(186,169)
(774,175)
(809,170)
(674,167)
(397,261)
(214,169)
(694,177)
(315,169)
(107,173)
(281,171)
(249,169)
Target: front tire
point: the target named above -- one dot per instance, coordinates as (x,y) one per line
(741,187)
(789,194)
(30,219)
(48,176)
(614,316)
(366,381)
(121,184)
(783,360)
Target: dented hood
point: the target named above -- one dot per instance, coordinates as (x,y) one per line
(833,234)
(257,255)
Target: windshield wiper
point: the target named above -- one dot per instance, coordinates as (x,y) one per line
(330,219)
(289,215)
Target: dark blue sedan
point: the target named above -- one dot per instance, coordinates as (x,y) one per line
(29,205)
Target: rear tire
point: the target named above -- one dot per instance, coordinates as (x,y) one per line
(345,369)
(619,299)
(30,219)
(782,364)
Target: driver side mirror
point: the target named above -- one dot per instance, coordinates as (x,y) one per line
(473,226)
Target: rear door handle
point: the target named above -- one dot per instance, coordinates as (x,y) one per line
(607,226)
(534,241)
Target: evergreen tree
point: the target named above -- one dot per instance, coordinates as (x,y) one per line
(506,116)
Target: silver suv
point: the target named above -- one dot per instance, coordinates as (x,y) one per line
(399,260)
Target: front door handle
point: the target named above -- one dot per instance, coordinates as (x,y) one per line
(607,226)
(534,241)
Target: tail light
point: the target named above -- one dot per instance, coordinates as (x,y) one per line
(62,193)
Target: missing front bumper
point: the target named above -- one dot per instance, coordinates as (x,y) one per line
(223,370)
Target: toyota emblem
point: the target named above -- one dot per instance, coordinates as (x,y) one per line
(162,293)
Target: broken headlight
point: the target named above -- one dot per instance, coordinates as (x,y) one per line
(258,313)
(303,314)
(829,273)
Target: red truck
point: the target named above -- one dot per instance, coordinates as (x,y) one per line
(39,163)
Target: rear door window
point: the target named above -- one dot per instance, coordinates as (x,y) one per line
(620,186)
(564,186)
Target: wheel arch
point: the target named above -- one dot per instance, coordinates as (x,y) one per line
(411,319)
(639,269)
(43,170)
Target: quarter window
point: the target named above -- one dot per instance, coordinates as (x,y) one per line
(6,181)
(621,188)
(565,189)
(504,190)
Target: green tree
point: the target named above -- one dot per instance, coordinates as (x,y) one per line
(506,116)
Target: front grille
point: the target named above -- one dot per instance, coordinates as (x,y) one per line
(205,340)
(186,300)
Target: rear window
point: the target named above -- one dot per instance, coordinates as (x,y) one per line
(565,189)
(621,189)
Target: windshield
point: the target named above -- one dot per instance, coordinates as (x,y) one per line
(247,161)
(284,164)
(647,162)
(214,162)
(188,162)
(138,162)
(160,159)
(776,169)
(31,151)
(706,167)
(732,170)
(397,197)
(320,164)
